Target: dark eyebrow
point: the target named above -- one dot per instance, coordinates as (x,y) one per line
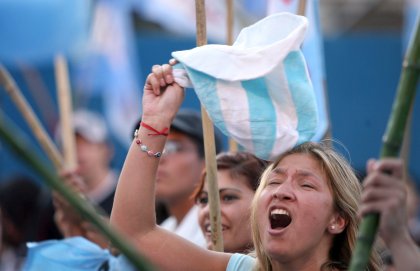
(230,189)
(224,190)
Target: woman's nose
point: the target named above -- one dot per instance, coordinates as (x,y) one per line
(285,191)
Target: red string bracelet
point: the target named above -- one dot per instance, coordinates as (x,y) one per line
(164,132)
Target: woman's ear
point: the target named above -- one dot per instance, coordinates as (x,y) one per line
(337,224)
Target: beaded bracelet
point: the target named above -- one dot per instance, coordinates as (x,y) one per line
(144,148)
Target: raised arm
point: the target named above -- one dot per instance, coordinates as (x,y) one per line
(385,193)
(133,211)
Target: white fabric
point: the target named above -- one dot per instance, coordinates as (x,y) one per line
(188,228)
(254,53)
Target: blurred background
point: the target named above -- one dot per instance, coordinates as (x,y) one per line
(111,45)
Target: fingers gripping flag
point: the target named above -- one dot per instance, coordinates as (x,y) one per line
(258,90)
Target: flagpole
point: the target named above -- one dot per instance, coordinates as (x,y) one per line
(302,8)
(233,146)
(209,145)
(40,134)
(65,107)
(392,141)
(229,22)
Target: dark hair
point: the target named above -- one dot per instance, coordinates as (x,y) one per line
(19,198)
(238,164)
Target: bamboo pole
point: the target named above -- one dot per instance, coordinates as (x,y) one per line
(65,107)
(391,142)
(11,136)
(302,8)
(405,148)
(209,145)
(41,135)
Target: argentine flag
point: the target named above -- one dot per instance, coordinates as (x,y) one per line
(258,90)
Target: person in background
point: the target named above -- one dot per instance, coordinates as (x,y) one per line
(413,204)
(94,154)
(179,173)
(303,216)
(385,192)
(180,170)
(238,175)
(21,202)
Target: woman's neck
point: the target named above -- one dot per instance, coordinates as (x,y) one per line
(310,261)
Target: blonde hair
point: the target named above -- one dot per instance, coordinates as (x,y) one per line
(346,191)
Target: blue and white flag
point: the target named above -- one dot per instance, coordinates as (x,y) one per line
(258,90)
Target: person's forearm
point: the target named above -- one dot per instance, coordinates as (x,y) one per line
(405,253)
(133,210)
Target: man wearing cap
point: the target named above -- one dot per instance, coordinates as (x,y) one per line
(94,155)
(179,173)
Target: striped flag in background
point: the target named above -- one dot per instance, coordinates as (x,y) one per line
(314,54)
(258,90)
(110,69)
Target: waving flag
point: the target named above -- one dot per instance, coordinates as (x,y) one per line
(258,90)
(314,54)
(110,68)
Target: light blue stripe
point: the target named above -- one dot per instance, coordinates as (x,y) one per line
(302,94)
(262,116)
(205,88)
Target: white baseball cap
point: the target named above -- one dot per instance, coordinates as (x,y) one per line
(90,125)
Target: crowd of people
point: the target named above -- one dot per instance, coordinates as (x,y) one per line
(299,212)
(304,215)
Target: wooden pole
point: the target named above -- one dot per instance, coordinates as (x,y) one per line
(65,107)
(41,135)
(301,8)
(209,145)
(392,141)
(229,22)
